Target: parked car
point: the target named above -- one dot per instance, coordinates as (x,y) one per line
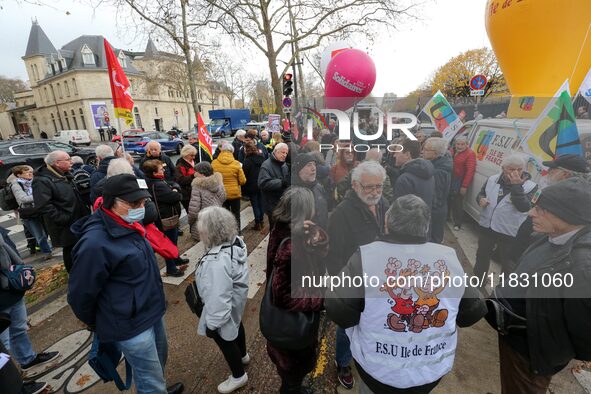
(73,137)
(32,152)
(136,143)
(126,133)
(493,139)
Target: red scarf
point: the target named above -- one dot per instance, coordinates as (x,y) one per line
(159,242)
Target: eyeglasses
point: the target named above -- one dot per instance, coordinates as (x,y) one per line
(135,204)
(372,188)
(68,159)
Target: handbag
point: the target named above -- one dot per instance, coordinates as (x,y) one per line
(501,318)
(286,329)
(28,211)
(170,222)
(104,362)
(194,299)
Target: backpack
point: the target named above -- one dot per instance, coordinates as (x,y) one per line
(7,199)
(81,182)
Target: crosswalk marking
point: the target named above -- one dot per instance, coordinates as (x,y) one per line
(195,253)
(7,217)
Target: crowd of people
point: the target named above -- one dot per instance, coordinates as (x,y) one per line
(335,213)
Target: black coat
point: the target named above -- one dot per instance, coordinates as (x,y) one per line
(416,177)
(273,180)
(351,225)
(182,168)
(97,175)
(443,170)
(252,167)
(167,197)
(60,205)
(168,166)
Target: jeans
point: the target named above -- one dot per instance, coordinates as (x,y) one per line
(173,235)
(36,228)
(343,354)
(15,338)
(147,353)
(256,200)
(233,351)
(234,207)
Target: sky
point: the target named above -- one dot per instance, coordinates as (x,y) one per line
(404,59)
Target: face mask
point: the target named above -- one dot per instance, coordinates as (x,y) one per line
(134,215)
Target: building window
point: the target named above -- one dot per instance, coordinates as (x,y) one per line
(82,119)
(74,119)
(36,72)
(46,94)
(87,56)
(156,110)
(49,69)
(199,95)
(33,77)
(59,90)
(67,120)
(67,88)
(63,64)
(122,59)
(138,119)
(53,121)
(74,87)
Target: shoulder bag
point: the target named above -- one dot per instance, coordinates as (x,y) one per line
(170,222)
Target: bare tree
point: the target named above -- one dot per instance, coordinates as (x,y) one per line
(9,86)
(180,21)
(274,26)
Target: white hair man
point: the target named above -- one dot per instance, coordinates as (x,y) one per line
(104,155)
(358,220)
(414,306)
(274,179)
(464,167)
(53,190)
(435,150)
(505,198)
(239,139)
(154,152)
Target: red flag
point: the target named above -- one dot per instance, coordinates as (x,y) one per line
(122,100)
(205,140)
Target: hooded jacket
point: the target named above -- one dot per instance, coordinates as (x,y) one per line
(205,192)
(443,172)
(464,164)
(232,173)
(416,177)
(58,203)
(115,281)
(222,282)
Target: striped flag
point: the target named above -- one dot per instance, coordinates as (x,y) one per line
(205,140)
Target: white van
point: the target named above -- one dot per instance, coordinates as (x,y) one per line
(492,139)
(73,137)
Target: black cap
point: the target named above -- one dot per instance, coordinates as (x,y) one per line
(126,187)
(569,162)
(569,200)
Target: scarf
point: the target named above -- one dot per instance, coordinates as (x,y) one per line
(27,185)
(158,241)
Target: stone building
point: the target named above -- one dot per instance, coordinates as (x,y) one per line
(70,88)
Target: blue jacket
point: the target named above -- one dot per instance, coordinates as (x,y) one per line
(115,282)
(97,175)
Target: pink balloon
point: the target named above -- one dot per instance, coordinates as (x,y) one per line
(350,76)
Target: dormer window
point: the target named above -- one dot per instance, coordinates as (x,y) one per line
(63,64)
(122,59)
(87,56)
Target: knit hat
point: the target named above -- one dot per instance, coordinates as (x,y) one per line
(569,200)
(301,160)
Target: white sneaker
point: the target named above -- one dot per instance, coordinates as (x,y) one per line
(232,383)
(246,359)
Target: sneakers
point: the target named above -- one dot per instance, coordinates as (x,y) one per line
(47,256)
(246,359)
(41,358)
(33,387)
(176,274)
(345,377)
(232,383)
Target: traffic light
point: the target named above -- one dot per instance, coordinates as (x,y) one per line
(287,85)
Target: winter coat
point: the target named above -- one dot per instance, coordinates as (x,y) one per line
(166,196)
(443,171)
(558,316)
(167,163)
(464,167)
(204,155)
(97,175)
(59,204)
(237,144)
(115,281)
(252,168)
(232,173)
(320,201)
(183,174)
(205,192)
(262,151)
(8,257)
(416,177)
(273,180)
(351,225)
(20,195)
(222,282)
(296,250)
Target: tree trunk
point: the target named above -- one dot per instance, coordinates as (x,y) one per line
(186,47)
(272,58)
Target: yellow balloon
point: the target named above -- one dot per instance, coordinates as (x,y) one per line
(540,43)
